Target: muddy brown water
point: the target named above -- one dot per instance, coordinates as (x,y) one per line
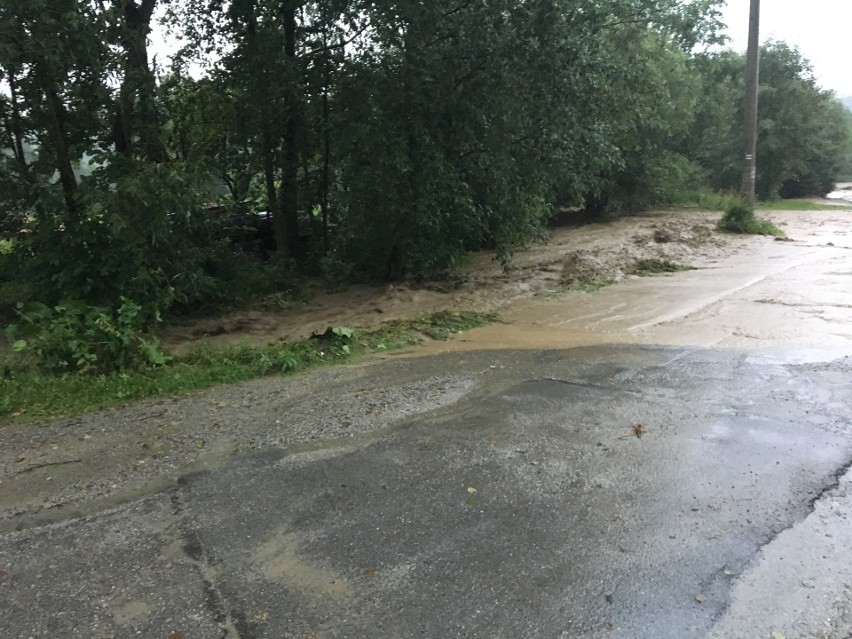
(791,300)
(572,256)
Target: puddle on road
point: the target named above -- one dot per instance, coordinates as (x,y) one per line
(790,301)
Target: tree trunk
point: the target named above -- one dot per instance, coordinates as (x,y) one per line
(325,185)
(136,110)
(56,134)
(289,194)
(278,228)
(16,129)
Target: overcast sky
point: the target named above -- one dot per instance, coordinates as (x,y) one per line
(822,29)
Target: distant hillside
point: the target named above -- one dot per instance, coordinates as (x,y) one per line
(847,102)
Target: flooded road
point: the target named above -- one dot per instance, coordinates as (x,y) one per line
(843,192)
(788,300)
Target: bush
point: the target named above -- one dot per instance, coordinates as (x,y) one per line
(647,181)
(739,217)
(241,278)
(335,272)
(74,337)
(717,200)
(139,232)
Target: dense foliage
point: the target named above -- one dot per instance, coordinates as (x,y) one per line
(382,136)
(802,130)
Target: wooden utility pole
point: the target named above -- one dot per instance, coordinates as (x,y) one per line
(750,123)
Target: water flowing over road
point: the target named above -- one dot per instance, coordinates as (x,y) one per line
(790,300)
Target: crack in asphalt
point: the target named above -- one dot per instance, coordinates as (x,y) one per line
(832,484)
(194,549)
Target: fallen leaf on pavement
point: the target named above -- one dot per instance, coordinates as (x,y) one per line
(176,635)
(637,430)
(700,598)
(777,635)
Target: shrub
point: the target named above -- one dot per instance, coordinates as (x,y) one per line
(74,337)
(139,232)
(739,217)
(717,200)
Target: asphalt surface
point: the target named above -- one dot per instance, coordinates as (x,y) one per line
(611,491)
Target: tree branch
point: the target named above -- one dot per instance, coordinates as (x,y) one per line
(461,7)
(338,45)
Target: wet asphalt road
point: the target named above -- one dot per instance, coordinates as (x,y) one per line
(524,505)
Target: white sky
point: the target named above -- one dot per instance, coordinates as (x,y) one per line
(821,29)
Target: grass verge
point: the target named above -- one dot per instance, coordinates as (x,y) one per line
(27,396)
(722,201)
(798,205)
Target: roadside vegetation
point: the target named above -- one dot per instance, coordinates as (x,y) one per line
(32,393)
(653,266)
(799,205)
(740,217)
(344,141)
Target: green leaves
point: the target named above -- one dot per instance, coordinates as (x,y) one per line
(74,337)
(343,332)
(386,138)
(799,150)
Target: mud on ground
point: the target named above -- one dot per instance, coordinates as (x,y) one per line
(573,256)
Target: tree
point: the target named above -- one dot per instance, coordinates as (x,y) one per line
(113,223)
(800,126)
(136,111)
(53,58)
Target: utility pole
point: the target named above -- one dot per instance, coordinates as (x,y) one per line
(750,123)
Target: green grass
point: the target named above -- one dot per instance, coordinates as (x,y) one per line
(716,201)
(713,201)
(29,395)
(655,267)
(799,205)
(739,218)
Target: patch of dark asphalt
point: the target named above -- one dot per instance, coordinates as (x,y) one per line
(120,456)
(524,508)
